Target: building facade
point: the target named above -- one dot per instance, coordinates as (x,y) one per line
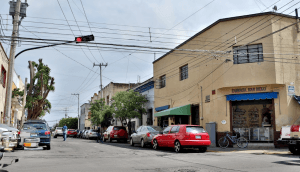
(247,86)
(3,79)
(146,88)
(84,114)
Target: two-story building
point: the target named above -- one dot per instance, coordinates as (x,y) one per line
(3,80)
(241,73)
(146,88)
(84,123)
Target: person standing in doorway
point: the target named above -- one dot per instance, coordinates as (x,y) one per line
(65,130)
(99,135)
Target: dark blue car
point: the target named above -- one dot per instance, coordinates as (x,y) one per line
(42,131)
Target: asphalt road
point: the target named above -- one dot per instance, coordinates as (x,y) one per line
(87,155)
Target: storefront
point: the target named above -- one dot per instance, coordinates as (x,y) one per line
(253,115)
(173,116)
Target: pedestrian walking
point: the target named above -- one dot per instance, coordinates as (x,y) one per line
(99,135)
(65,130)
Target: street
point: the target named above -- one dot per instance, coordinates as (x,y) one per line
(87,155)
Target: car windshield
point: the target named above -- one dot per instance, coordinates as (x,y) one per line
(119,128)
(154,128)
(194,129)
(297,122)
(41,126)
(71,129)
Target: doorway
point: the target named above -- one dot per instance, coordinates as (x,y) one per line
(195,115)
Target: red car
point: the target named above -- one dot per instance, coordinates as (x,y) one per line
(71,133)
(115,133)
(182,136)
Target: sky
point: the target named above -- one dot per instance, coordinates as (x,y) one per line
(130,22)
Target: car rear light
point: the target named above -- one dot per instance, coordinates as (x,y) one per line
(47,132)
(19,132)
(90,133)
(295,128)
(148,134)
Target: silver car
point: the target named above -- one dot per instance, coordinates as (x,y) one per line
(91,134)
(144,135)
(58,132)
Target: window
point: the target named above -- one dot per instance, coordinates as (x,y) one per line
(248,54)
(3,76)
(207,98)
(184,72)
(119,128)
(195,129)
(163,81)
(154,128)
(166,130)
(107,100)
(175,129)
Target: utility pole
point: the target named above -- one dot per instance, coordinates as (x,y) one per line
(100,65)
(11,62)
(78,108)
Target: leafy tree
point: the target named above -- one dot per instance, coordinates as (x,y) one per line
(17,92)
(127,105)
(41,83)
(72,123)
(100,113)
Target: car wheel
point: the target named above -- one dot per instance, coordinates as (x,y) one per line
(103,139)
(177,147)
(202,149)
(294,149)
(155,145)
(109,139)
(131,142)
(48,147)
(142,143)
(55,136)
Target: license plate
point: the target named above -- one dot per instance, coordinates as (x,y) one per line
(116,135)
(34,135)
(198,137)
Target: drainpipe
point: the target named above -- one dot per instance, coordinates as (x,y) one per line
(201,107)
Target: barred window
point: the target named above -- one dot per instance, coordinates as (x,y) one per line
(184,72)
(3,76)
(163,81)
(248,54)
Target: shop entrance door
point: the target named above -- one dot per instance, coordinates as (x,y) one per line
(195,115)
(254,119)
(182,119)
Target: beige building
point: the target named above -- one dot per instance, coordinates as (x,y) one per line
(107,93)
(4,67)
(249,89)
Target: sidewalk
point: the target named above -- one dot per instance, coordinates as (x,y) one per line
(260,148)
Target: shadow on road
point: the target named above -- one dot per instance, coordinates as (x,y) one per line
(291,162)
(126,145)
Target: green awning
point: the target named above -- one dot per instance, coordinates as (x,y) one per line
(181,110)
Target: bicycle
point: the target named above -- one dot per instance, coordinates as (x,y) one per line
(241,141)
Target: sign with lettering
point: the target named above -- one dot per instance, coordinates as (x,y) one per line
(249,90)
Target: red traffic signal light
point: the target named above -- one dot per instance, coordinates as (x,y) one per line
(84,38)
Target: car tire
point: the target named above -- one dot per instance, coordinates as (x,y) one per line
(177,146)
(103,139)
(131,142)
(155,145)
(294,149)
(48,147)
(109,139)
(55,136)
(202,149)
(142,143)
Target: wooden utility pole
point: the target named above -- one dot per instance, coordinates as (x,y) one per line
(24,103)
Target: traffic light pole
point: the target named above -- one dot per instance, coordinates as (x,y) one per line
(11,63)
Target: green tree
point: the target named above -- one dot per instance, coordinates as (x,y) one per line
(72,123)
(100,113)
(41,83)
(127,105)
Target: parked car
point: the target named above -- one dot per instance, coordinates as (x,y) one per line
(58,132)
(115,133)
(38,129)
(91,134)
(84,136)
(71,133)
(10,133)
(290,135)
(81,134)
(144,135)
(182,136)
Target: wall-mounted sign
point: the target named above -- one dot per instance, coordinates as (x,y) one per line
(291,90)
(247,90)
(223,122)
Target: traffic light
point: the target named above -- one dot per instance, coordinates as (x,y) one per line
(84,38)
